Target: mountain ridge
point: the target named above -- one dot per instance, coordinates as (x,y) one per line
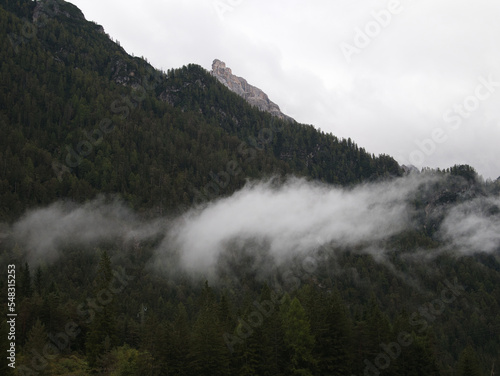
(146,144)
(171,130)
(253,95)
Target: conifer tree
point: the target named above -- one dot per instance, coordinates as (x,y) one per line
(298,339)
(208,352)
(26,287)
(33,349)
(336,346)
(38,281)
(102,330)
(468,364)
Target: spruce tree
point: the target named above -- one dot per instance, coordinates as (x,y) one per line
(468,364)
(208,352)
(298,339)
(102,331)
(33,349)
(26,288)
(336,346)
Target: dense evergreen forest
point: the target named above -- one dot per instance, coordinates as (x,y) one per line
(81,119)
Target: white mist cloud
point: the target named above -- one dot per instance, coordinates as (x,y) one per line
(473,226)
(264,225)
(292,219)
(43,232)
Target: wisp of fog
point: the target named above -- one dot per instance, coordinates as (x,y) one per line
(290,218)
(293,218)
(473,226)
(44,232)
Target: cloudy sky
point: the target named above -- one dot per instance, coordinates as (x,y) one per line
(416,79)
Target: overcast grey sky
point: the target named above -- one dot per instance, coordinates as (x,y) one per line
(416,79)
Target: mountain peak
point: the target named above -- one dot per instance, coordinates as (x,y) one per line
(219,68)
(253,95)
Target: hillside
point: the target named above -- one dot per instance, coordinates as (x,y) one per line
(81,116)
(160,224)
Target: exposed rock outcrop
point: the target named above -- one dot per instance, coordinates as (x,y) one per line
(251,94)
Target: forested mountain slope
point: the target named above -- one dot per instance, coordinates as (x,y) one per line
(80,116)
(102,156)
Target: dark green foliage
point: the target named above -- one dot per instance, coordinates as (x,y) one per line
(34,347)
(26,288)
(312,332)
(101,336)
(38,281)
(465,171)
(208,353)
(468,364)
(298,340)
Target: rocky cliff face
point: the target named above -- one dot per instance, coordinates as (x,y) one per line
(251,94)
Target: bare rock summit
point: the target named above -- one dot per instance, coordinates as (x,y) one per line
(251,94)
